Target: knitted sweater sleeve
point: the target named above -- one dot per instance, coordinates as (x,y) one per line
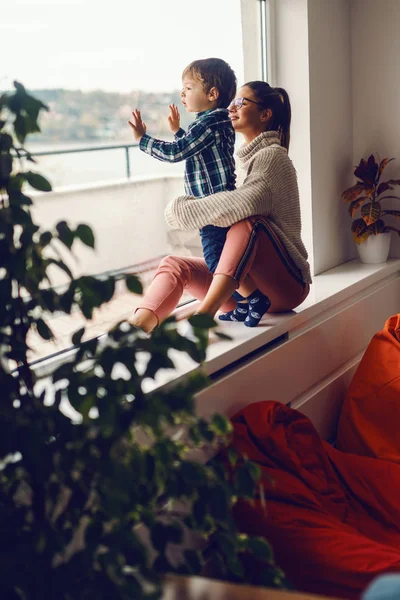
(224,208)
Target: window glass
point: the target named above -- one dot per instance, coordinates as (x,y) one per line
(92,63)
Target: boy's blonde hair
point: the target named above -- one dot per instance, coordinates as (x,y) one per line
(214,72)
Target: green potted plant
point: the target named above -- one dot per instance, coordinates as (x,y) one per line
(91,497)
(370,232)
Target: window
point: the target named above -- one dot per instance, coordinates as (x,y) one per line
(93,63)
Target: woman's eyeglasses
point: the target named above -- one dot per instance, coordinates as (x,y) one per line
(237,103)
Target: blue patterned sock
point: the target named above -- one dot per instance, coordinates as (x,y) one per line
(258,306)
(239,313)
(238,297)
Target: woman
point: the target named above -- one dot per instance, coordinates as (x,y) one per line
(263,251)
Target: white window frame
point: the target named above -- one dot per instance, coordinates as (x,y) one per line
(258,50)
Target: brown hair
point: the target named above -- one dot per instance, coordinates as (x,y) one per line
(277,100)
(214,72)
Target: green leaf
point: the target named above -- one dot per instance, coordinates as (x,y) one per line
(218,502)
(94,532)
(226,544)
(193,473)
(44,330)
(6,142)
(367,170)
(371,212)
(37,181)
(21,199)
(77,337)
(5,166)
(174,533)
(65,234)
(233,456)
(384,162)
(235,566)
(85,234)
(254,470)
(221,424)
(45,238)
(355,204)
(205,430)
(354,191)
(157,362)
(394,213)
(202,321)
(244,482)
(260,548)
(20,215)
(15,185)
(194,435)
(133,284)
(359,230)
(162,564)
(33,106)
(67,299)
(194,560)
(20,128)
(107,288)
(158,537)
(49,300)
(389,228)
(61,265)
(19,87)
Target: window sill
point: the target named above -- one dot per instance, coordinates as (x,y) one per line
(329,293)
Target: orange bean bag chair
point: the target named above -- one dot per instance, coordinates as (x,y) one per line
(333,519)
(370,418)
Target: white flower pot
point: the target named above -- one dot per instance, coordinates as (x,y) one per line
(375,249)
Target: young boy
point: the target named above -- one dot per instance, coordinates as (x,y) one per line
(208,87)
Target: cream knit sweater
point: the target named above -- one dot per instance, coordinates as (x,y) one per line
(269,188)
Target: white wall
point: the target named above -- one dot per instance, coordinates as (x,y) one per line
(127,219)
(290,71)
(329,32)
(313,62)
(376,86)
(332,340)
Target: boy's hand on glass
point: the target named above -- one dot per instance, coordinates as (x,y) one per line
(174,118)
(137,125)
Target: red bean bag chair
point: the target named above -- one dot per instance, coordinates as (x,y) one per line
(333,519)
(370,418)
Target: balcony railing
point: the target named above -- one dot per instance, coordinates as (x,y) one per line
(126,147)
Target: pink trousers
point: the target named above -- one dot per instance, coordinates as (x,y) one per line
(251,248)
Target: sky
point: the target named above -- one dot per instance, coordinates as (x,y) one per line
(118,45)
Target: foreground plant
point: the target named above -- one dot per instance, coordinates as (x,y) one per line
(98,482)
(366,194)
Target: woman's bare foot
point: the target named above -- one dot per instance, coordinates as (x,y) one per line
(144,319)
(247,287)
(220,290)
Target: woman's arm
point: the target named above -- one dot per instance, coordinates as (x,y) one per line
(224,208)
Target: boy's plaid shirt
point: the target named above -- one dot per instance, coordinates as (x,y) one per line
(207,147)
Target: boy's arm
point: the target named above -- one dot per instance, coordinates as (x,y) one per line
(187,145)
(174,122)
(180,133)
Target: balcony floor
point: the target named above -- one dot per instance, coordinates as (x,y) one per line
(119,308)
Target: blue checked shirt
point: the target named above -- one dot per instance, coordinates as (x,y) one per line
(208,149)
